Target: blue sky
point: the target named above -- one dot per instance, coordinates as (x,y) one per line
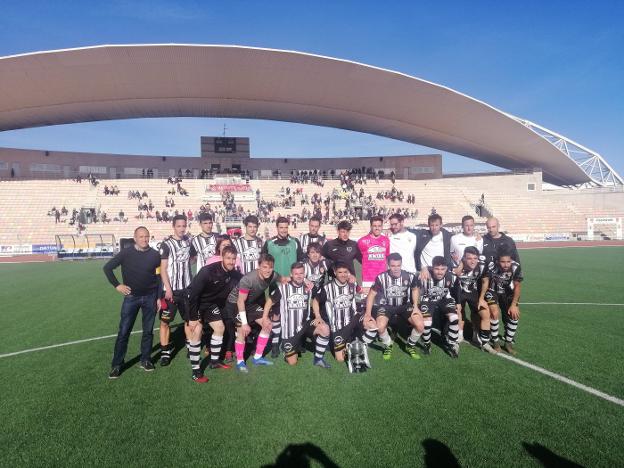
(557,63)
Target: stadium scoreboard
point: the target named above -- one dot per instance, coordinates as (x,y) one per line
(225,145)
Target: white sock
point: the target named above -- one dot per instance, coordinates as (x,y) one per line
(385,338)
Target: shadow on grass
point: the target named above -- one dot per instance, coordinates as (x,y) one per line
(437,454)
(548,458)
(300,456)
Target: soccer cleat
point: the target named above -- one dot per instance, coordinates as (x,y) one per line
(427,348)
(275,351)
(229,357)
(320,362)
(453,350)
(413,352)
(147,366)
(199,377)
(487,347)
(261,362)
(242,367)
(219,365)
(114,373)
(496,347)
(387,353)
(508,347)
(165,360)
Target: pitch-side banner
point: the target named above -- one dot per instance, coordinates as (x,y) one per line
(21,249)
(44,248)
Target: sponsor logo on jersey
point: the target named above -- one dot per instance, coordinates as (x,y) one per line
(297,301)
(251,254)
(376,252)
(395,291)
(183,254)
(343,301)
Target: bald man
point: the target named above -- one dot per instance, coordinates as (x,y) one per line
(139,265)
(495,239)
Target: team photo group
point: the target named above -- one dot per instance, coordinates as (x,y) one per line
(252,301)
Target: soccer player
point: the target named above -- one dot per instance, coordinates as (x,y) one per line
(466,238)
(208,293)
(205,243)
(494,239)
(374,248)
(314,225)
(249,245)
(248,300)
(467,292)
(316,267)
(139,264)
(402,242)
(436,302)
(501,290)
(395,293)
(431,243)
(342,249)
(294,301)
(338,299)
(176,253)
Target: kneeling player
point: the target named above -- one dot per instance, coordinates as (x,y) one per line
(436,302)
(467,292)
(248,299)
(294,300)
(501,290)
(345,323)
(393,294)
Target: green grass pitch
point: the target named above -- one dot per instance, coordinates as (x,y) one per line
(59,409)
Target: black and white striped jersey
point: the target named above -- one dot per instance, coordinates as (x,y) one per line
(433,290)
(394,291)
(178,254)
(468,282)
(317,272)
(294,306)
(205,246)
(339,300)
(306,239)
(502,282)
(249,251)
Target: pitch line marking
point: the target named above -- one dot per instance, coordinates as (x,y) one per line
(563,379)
(572,303)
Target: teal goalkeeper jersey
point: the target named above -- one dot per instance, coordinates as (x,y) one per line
(285,251)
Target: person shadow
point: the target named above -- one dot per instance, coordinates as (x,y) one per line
(548,458)
(437,454)
(300,456)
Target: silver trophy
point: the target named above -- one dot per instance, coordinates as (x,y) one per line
(357,356)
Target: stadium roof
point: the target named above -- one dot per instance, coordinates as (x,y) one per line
(175,80)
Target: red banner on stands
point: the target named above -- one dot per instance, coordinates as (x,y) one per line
(230,188)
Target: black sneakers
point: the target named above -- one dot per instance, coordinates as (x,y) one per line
(114,373)
(165,360)
(147,366)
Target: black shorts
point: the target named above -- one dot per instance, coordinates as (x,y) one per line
(441,307)
(389,311)
(180,302)
(254,312)
(502,300)
(472,300)
(293,344)
(348,333)
(211,313)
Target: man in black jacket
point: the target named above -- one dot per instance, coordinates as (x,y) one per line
(430,243)
(139,264)
(493,241)
(342,249)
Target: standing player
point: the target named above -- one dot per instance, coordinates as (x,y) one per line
(247,303)
(493,241)
(208,293)
(249,245)
(205,242)
(501,289)
(176,253)
(314,225)
(430,243)
(342,249)
(395,293)
(467,292)
(466,238)
(294,305)
(374,248)
(402,242)
(338,299)
(437,303)
(316,267)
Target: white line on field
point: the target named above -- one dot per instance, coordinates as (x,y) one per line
(563,379)
(572,303)
(86,340)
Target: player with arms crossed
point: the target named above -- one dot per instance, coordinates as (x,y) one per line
(395,293)
(338,299)
(294,300)
(501,290)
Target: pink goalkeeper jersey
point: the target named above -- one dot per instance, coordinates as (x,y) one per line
(374,250)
